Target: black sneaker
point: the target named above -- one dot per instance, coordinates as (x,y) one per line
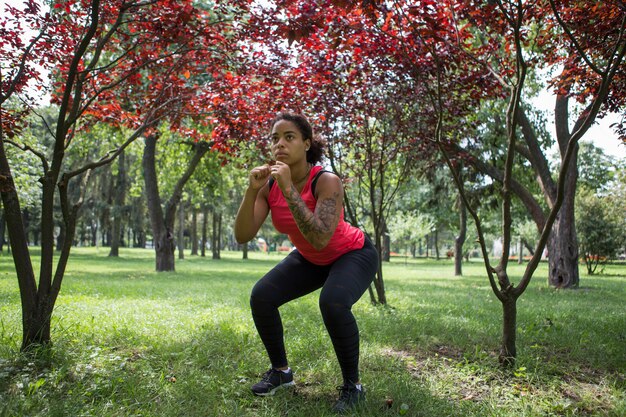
(273,380)
(349,397)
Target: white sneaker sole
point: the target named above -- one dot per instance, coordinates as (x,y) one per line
(273,391)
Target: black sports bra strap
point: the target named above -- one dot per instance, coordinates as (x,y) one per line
(315,178)
(313,183)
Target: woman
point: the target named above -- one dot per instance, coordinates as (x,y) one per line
(307,204)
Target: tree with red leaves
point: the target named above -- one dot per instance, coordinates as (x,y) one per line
(465,52)
(134,64)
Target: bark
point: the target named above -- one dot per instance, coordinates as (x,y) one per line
(379,284)
(562,243)
(205,226)
(508,349)
(386,241)
(162,236)
(217,235)
(194,231)
(118,200)
(2,231)
(19,247)
(181,231)
(460,240)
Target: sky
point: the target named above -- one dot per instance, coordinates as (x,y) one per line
(600,134)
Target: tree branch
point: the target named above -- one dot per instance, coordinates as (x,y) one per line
(27,148)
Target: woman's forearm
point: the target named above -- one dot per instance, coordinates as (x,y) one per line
(317,228)
(245,225)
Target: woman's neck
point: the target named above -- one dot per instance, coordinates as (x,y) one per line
(300,173)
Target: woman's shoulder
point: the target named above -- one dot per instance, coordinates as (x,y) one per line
(323,180)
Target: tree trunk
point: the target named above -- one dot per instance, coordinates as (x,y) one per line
(205,226)
(244,248)
(2,231)
(436,244)
(563,248)
(508,350)
(162,220)
(460,240)
(194,231)
(118,200)
(164,248)
(19,246)
(563,243)
(216,236)
(162,235)
(181,231)
(379,284)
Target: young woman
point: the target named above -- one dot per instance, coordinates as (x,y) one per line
(306,204)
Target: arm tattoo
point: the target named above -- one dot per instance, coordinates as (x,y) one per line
(318,227)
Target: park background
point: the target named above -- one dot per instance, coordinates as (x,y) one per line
(464,133)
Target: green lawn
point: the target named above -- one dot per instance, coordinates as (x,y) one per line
(132,342)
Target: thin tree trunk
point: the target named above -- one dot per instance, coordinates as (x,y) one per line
(194,231)
(119,199)
(460,241)
(508,351)
(386,241)
(379,284)
(205,226)
(19,247)
(163,238)
(2,231)
(215,240)
(181,231)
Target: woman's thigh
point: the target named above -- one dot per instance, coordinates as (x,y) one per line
(350,276)
(292,278)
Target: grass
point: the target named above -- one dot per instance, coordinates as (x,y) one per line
(132,342)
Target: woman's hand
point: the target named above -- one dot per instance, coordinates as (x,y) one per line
(281,173)
(258,176)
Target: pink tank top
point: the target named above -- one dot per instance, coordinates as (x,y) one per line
(345,239)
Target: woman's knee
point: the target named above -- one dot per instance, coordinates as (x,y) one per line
(332,303)
(261,295)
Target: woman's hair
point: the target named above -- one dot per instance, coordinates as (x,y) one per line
(316,150)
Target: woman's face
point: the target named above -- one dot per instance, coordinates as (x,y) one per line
(287,143)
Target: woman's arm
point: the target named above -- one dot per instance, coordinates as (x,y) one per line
(319,226)
(254,207)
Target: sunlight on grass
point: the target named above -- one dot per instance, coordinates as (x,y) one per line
(130,341)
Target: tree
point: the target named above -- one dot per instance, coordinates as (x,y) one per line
(162,218)
(97,54)
(600,230)
(514,16)
(409,228)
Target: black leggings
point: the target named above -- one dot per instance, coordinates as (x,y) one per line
(343,283)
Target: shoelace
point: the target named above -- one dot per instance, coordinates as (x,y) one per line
(345,391)
(267,375)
